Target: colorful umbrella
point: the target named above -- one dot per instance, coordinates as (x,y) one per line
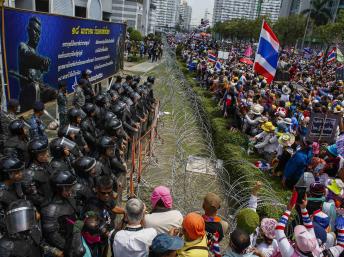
(246,60)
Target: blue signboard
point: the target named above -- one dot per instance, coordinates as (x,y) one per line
(44,49)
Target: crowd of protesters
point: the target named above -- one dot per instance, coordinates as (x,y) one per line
(276,118)
(150,49)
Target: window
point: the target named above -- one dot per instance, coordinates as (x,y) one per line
(42,5)
(80,11)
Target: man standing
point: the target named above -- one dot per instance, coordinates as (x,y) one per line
(37,128)
(32,67)
(62,103)
(79,98)
(87,87)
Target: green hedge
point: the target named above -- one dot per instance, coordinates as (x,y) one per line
(229,147)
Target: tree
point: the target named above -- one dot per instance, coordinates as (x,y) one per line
(135,35)
(289,29)
(319,12)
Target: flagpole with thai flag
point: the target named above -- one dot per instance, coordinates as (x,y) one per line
(332,55)
(266,59)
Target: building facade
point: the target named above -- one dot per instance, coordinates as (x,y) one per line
(166,14)
(91,9)
(185,13)
(248,9)
(294,7)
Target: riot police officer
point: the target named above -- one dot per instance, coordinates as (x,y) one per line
(59,217)
(16,144)
(36,178)
(86,172)
(88,127)
(74,117)
(61,156)
(102,105)
(121,111)
(117,83)
(62,103)
(11,176)
(23,237)
(5,119)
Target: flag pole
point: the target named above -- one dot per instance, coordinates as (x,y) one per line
(255,57)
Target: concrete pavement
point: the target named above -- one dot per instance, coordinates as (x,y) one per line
(142,67)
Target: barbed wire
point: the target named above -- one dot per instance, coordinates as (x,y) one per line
(191,129)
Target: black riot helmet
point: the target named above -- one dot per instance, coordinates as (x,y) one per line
(57,147)
(9,165)
(117,166)
(20,217)
(38,146)
(119,108)
(101,100)
(67,131)
(151,79)
(112,125)
(74,114)
(137,79)
(106,142)
(113,94)
(108,116)
(62,178)
(84,165)
(118,87)
(89,108)
(16,127)
(135,97)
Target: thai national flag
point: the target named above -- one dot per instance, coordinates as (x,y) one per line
(332,55)
(212,58)
(320,56)
(266,59)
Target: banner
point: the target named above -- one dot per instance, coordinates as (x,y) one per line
(44,49)
(322,127)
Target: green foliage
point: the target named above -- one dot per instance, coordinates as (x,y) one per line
(289,29)
(331,33)
(130,29)
(135,35)
(319,12)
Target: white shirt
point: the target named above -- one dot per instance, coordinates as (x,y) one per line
(268,250)
(133,243)
(164,221)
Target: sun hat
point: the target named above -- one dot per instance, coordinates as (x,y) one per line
(247,220)
(286,139)
(164,242)
(194,226)
(162,193)
(321,218)
(281,111)
(268,127)
(257,109)
(334,187)
(305,241)
(268,227)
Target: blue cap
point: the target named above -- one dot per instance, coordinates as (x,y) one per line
(332,149)
(164,242)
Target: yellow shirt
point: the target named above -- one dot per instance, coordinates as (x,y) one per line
(194,252)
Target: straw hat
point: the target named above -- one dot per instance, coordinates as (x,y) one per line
(268,127)
(257,109)
(287,139)
(338,109)
(286,90)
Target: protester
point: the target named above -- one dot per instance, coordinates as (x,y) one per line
(195,237)
(165,245)
(163,217)
(133,240)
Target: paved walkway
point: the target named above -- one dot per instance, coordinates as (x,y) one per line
(142,67)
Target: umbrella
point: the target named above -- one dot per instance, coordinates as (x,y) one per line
(246,60)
